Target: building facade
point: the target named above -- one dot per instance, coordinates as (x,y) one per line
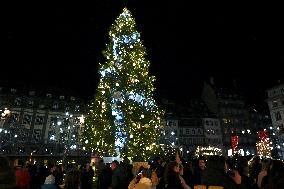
(236,118)
(275,103)
(40,124)
(190,125)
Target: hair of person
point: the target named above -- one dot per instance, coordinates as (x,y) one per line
(169,171)
(277,168)
(146,172)
(115,162)
(201,158)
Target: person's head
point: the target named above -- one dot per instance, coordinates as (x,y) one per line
(171,171)
(114,164)
(217,163)
(87,165)
(201,163)
(52,168)
(146,172)
(173,166)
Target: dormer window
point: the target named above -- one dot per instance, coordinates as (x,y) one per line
(32,93)
(30,103)
(13,90)
(61,97)
(55,105)
(274,104)
(77,108)
(41,106)
(17,101)
(48,95)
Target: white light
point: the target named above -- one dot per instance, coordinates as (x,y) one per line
(52,137)
(82,119)
(117,84)
(74,136)
(147,148)
(0,130)
(270,127)
(59,123)
(7,111)
(173,143)
(16,136)
(86,142)
(67,113)
(131,136)
(142,116)
(243,132)
(172,133)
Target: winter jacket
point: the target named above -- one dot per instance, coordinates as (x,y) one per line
(144,183)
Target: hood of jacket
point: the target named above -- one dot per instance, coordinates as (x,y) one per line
(145,181)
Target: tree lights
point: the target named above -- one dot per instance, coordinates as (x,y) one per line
(263,145)
(124,119)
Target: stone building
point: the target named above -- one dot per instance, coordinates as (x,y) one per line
(35,123)
(275,103)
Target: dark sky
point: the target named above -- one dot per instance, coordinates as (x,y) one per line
(61,45)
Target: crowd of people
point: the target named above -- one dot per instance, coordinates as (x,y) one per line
(228,173)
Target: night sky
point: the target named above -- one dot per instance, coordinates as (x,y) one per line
(61,45)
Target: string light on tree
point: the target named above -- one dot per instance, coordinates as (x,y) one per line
(123,118)
(263,147)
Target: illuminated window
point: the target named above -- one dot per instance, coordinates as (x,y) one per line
(27,119)
(17,102)
(225,121)
(39,120)
(274,104)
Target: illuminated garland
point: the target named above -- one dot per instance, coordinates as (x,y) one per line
(207,151)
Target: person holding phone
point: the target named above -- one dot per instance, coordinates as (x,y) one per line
(142,180)
(217,173)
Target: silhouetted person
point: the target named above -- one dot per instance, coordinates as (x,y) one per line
(87,177)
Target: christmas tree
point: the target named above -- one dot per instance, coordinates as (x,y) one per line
(263,145)
(123,118)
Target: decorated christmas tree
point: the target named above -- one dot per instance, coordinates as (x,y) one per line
(123,118)
(263,145)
